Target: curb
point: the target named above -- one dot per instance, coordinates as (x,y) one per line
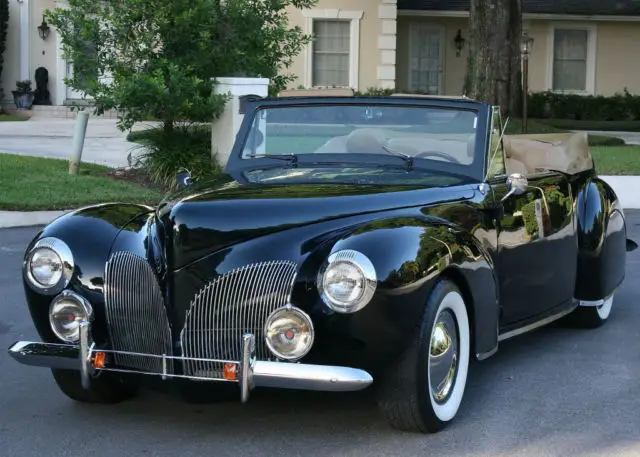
(626,187)
(12,219)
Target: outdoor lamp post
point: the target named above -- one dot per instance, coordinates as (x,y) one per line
(526,43)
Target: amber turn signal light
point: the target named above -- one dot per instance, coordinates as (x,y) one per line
(100,360)
(230,371)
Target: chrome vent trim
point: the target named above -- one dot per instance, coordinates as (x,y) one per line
(235,303)
(136,316)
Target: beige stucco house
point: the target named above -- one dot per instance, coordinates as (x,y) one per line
(586,47)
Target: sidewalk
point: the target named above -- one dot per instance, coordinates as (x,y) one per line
(45,137)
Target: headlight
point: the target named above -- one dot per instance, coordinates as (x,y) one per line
(66,312)
(49,265)
(289,333)
(347,282)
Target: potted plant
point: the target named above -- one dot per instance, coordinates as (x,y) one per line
(23,96)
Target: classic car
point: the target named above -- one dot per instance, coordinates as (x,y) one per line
(354,242)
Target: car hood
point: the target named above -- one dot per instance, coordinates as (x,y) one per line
(197,223)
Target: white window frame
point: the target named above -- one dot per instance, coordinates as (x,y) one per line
(354,37)
(413,27)
(592,41)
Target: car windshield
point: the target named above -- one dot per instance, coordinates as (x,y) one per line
(424,134)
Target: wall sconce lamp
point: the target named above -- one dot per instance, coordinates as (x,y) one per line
(44,29)
(459,42)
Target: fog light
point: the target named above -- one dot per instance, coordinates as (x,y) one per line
(66,312)
(289,333)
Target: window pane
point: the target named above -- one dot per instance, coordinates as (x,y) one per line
(570,59)
(570,75)
(331,53)
(425,60)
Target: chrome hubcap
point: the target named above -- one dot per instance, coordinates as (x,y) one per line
(443,356)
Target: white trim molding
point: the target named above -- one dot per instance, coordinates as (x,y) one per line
(592,44)
(538,16)
(61,73)
(387,44)
(354,35)
(25,41)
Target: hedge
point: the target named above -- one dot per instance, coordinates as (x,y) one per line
(619,107)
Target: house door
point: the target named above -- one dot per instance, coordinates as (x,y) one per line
(426,52)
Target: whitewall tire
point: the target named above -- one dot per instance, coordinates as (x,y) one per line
(423,393)
(591,315)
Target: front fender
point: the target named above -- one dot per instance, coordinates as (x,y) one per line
(89,232)
(410,255)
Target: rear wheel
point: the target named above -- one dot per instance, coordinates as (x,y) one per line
(591,316)
(104,388)
(423,392)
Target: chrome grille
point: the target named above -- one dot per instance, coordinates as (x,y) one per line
(235,303)
(136,315)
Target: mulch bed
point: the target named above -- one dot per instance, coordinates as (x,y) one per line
(135,176)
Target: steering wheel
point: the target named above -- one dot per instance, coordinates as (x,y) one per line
(442,155)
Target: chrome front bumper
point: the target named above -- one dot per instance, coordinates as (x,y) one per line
(250,372)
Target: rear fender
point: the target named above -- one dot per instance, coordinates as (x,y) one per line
(602,241)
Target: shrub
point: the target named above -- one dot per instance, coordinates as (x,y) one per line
(162,154)
(619,107)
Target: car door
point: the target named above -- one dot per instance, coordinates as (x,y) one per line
(537,249)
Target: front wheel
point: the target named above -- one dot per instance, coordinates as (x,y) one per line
(424,391)
(105,388)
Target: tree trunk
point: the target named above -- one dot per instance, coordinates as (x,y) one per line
(493,72)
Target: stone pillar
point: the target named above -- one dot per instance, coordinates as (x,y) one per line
(388,14)
(225,128)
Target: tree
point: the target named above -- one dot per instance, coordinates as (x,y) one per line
(156,58)
(4,23)
(493,72)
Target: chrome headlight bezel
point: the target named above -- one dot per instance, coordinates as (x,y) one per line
(62,250)
(81,303)
(368,277)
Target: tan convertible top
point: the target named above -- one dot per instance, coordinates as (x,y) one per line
(530,153)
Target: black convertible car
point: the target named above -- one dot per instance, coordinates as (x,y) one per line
(355,242)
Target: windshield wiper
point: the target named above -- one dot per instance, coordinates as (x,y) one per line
(407,158)
(288,157)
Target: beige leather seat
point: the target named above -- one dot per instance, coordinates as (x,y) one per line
(566,152)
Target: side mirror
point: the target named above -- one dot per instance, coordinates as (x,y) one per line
(517,184)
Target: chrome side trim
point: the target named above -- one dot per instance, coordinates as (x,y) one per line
(136,316)
(597,303)
(485,355)
(536,325)
(232,305)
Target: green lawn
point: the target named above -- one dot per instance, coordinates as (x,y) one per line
(616,160)
(13,118)
(33,183)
